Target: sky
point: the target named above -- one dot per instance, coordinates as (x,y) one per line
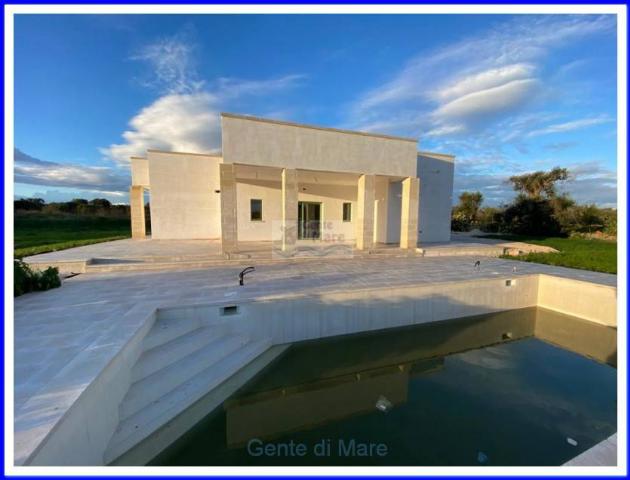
(506,94)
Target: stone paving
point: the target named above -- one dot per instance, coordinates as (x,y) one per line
(150,250)
(52,328)
(134,249)
(604,454)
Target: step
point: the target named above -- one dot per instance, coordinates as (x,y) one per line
(150,388)
(135,266)
(163,355)
(147,449)
(166,329)
(142,424)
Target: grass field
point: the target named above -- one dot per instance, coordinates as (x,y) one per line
(40,233)
(595,255)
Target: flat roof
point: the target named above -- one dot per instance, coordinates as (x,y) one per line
(444,156)
(315,127)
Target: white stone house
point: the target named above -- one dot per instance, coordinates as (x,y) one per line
(285,182)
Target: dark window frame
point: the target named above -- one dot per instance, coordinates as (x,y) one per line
(251,210)
(347,218)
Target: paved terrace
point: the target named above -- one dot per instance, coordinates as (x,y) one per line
(161,254)
(66,336)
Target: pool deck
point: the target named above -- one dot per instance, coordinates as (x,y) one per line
(149,254)
(66,336)
(604,454)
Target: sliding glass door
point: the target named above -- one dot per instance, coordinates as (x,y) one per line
(309,220)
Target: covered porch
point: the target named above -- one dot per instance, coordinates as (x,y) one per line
(298,209)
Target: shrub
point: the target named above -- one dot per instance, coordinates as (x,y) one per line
(490,219)
(460,224)
(610,224)
(26,280)
(528,216)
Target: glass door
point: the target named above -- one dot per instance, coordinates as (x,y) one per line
(309,220)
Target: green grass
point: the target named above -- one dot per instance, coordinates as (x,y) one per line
(40,233)
(595,255)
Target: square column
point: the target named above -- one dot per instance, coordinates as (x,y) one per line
(289,209)
(136,207)
(227,178)
(365,212)
(409,212)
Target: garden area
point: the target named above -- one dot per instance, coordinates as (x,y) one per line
(573,252)
(584,235)
(41,227)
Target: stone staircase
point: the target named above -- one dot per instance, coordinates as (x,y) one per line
(181,362)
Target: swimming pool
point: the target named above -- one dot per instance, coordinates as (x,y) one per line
(523,387)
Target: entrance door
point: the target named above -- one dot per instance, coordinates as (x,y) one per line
(309,220)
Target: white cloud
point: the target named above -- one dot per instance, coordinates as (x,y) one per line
(446,130)
(479,98)
(190,122)
(494,77)
(502,61)
(180,122)
(570,126)
(590,182)
(487,102)
(227,88)
(33,171)
(172,66)
(65,195)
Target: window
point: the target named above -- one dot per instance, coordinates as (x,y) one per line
(347,212)
(255,206)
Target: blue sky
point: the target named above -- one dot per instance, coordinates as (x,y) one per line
(505,94)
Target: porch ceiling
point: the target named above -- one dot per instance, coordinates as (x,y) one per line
(245,173)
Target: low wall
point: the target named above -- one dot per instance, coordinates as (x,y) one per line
(589,301)
(295,318)
(305,317)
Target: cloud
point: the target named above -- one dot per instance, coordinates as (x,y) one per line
(559,146)
(172,65)
(33,171)
(190,122)
(486,77)
(569,126)
(592,183)
(180,122)
(480,98)
(487,102)
(446,130)
(227,88)
(64,195)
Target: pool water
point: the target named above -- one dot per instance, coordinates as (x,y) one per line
(528,387)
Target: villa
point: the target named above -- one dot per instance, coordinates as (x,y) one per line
(286,183)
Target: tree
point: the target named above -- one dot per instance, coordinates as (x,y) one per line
(101,203)
(539,184)
(28,204)
(590,218)
(466,212)
(529,216)
(469,205)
